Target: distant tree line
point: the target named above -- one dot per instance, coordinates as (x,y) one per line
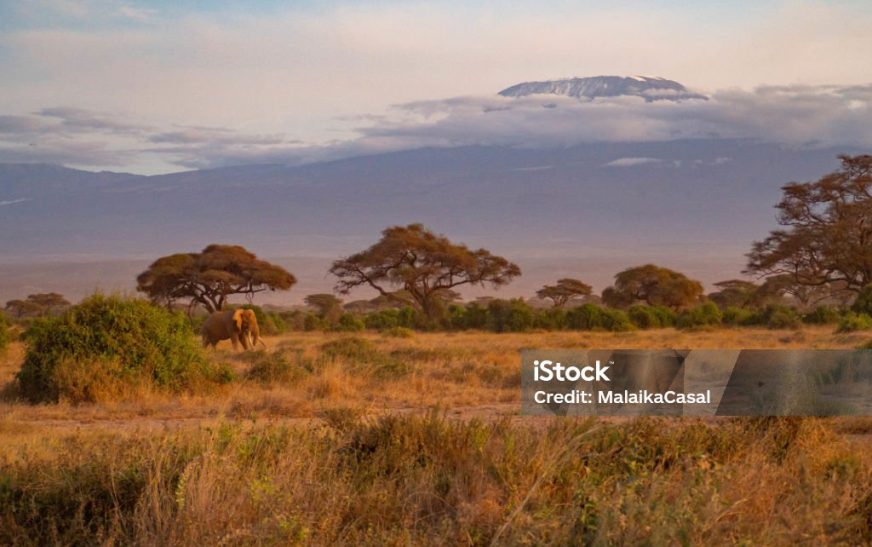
(817,268)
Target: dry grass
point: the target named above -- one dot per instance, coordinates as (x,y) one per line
(428,480)
(321,440)
(448,370)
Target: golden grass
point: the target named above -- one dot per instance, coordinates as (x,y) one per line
(320,441)
(448,370)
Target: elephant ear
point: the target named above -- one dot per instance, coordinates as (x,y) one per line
(237,318)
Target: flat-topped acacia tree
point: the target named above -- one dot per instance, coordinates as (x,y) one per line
(209,277)
(564,291)
(423,264)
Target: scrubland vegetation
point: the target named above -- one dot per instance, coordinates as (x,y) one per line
(432,480)
(402,436)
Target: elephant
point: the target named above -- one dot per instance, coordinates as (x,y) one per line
(236,325)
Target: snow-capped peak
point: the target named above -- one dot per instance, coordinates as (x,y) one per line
(651,89)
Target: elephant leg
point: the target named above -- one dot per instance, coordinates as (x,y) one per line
(234,339)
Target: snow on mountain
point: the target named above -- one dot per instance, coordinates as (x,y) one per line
(651,89)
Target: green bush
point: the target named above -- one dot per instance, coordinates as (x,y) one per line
(293,320)
(349,323)
(776,316)
(616,321)
(4,332)
(593,317)
(141,342)
(863,303)
(735,317)
(509,315)
(666,316)
(852,321)
(383,320)
(822,315)
(651,317)
(585,317)
(313,322)
(706,314)
(550,319)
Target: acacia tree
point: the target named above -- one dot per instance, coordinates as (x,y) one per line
(37,304)
(654,286)
(565,290)
(208,278)
(828,236)
(328,306)
(423,264)
(736,293)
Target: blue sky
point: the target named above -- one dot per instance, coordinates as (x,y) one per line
(144,85)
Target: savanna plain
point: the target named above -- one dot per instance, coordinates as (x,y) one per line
(410,437)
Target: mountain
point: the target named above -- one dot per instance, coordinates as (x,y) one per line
(583,211)
(651,89)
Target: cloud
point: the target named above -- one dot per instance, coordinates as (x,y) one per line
(790,115)
(13,201)
(79,119)
(631,162)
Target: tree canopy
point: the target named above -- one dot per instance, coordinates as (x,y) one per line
(208,278)
(565,290)
(424,264)
(37,305)
(735,293)
(827,237)
(327,305)
(653,285)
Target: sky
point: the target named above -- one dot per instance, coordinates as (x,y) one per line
(153,87)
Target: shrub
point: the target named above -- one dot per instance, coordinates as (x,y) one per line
(776,316)
(784,319)
(735,317)
(349,323)
(593,317)
(550,319)
(126,339)
(863,303)
(313,322)
(651,317)
(274,367)
(383,319)
(585,317)
(852,321)
(706,314)
(4,332)
(822,315)
(509,316)
(293,320)
(360,354)
(666,316)
(616,320)
(470,316)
